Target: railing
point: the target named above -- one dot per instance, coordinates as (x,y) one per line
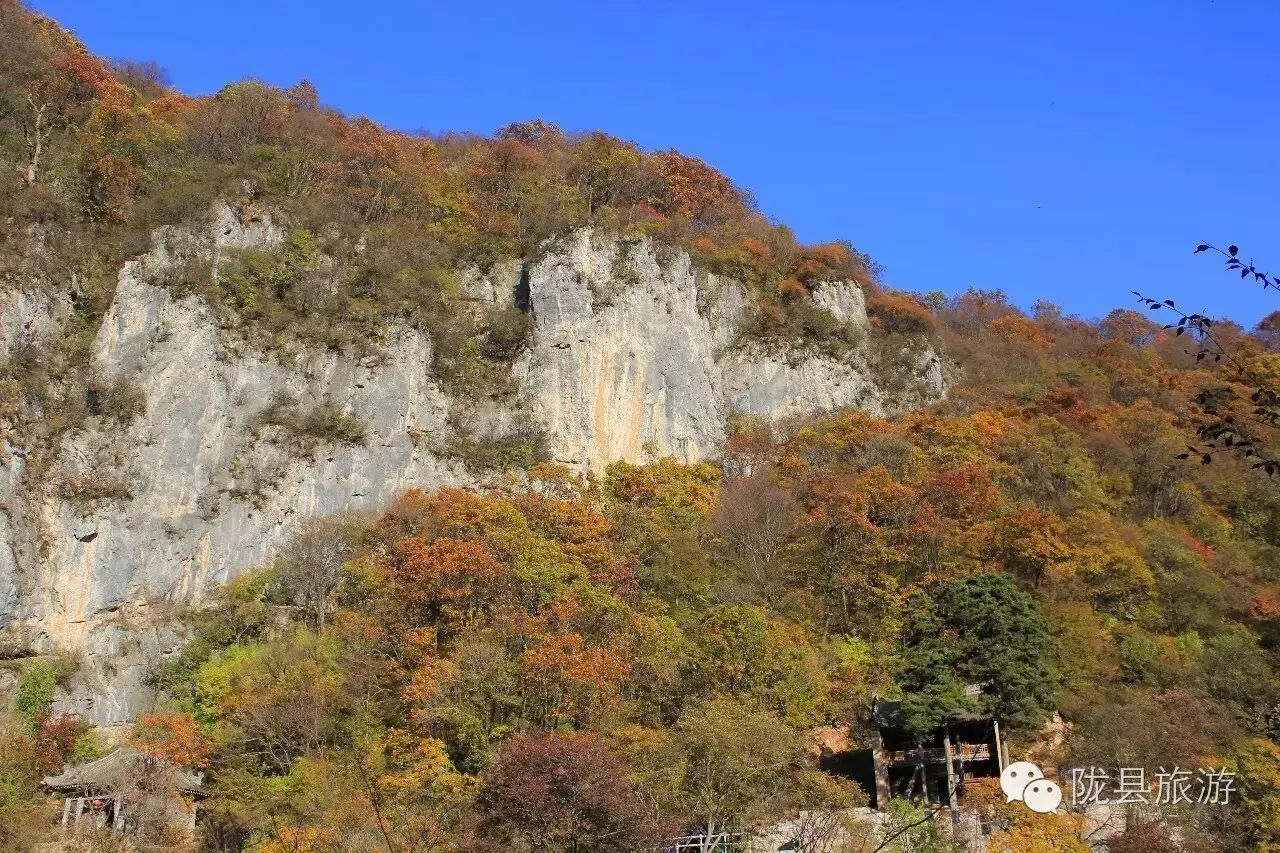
(913,756)
(973,752)
(720,842)
(933,755)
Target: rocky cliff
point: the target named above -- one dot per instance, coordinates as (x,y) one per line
(634,351)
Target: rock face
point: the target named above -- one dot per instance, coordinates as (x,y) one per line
(638,350)
(634,352)
(28,317)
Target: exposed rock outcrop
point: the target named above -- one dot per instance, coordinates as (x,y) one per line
(636,349)
(633,351)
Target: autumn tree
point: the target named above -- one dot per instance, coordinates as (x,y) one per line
(1257,761)
(277,700)
(908,829)
(569,679)
(385,790)
(558,792)
(1242,410)
(851,536)
(170,736)
(757,517)
(740,651)
(610,171)
(1150,728)
(310,566)
(734,763)
(24,813)
(696,191)
(445,583)
(48,81)
(1032,544)
(1017,829)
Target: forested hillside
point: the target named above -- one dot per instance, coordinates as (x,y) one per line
(578,663)
(104,153)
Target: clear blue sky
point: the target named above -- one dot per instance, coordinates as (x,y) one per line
(1072,151)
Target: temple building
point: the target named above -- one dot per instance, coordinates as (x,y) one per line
(965,746)
(127,791)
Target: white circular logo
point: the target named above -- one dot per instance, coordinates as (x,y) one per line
(1016,776)
(1042,796)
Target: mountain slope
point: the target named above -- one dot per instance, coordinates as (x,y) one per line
(222,315)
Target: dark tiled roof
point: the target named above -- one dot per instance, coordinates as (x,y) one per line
(112,772)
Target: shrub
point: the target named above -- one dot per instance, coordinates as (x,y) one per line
(462,369)
(312,426)
(35,691)
(506,335)
(899,313)
(93,487)
(1139,657)
(119,399)
(560,791)
(797,323)
(186,277)
(519,450)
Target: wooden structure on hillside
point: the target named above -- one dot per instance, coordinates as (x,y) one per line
(123,789)
(966,745)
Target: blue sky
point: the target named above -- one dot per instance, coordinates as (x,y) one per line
(1071,151)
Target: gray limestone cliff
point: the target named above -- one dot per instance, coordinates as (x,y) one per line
(634,352)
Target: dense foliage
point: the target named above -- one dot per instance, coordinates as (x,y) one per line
(690,623)
(570,664)
(659,643)
(101,153)
(378,225)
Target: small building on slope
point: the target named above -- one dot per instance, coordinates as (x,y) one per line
(932,770)
(127,791)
